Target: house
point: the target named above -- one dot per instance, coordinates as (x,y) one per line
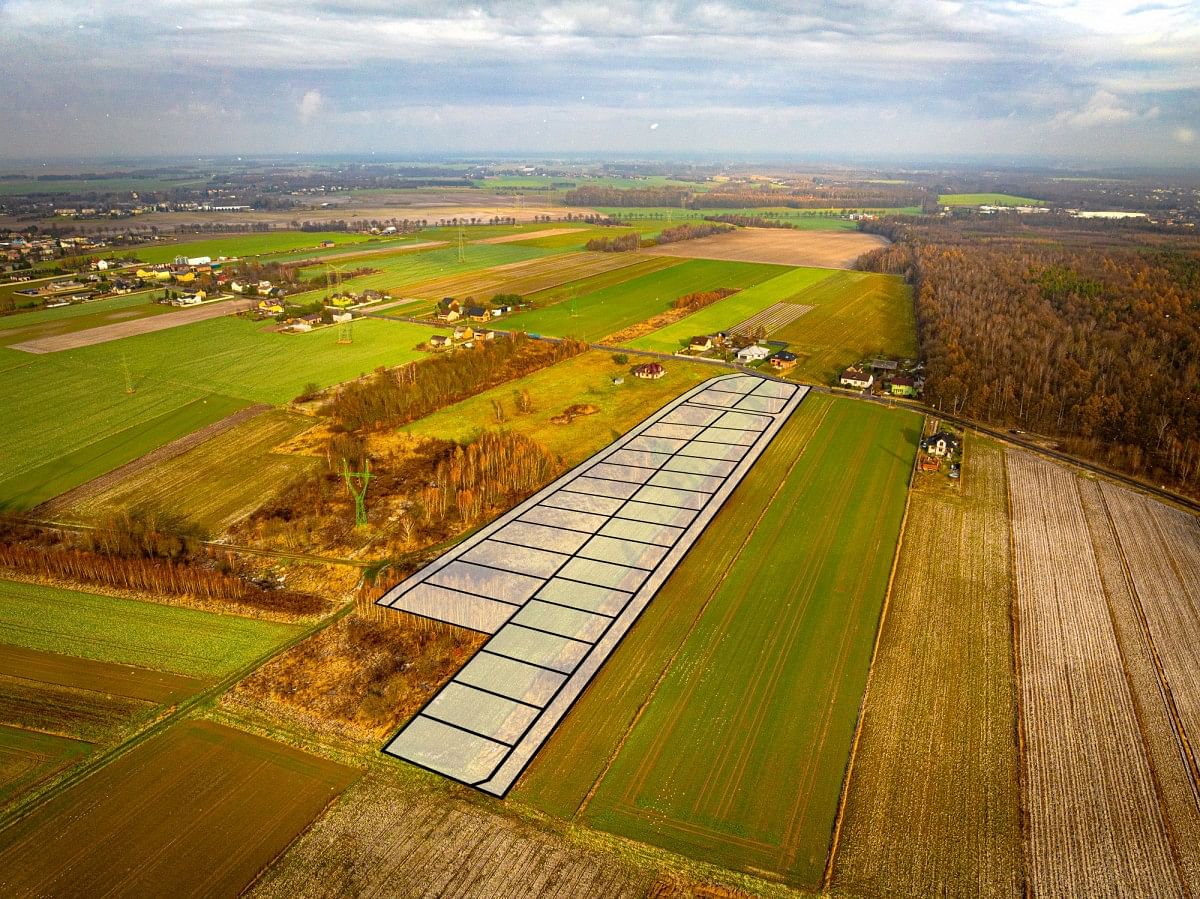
(856,378)
(701,344)
(486,335)
(464,332)
(942,443)
(342,317)
(783,360)
(449,315)
(264,286)
(269,307)
(439,341)
(754,353)
(904,385)
(477,314)
(235,286)
(651,371)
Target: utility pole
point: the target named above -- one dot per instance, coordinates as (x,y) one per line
(356,483)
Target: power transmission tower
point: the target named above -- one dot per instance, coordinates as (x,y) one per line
(346,332)
(462,245)
(356,483)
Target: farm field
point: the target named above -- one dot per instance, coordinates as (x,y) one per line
(65,711)
(371,246)
(638,266)
(987,200)
(525,277)
(854,315)
(403,270)
(594,315)
(932,801)
(131,327)
(424,842)
(724,314)
(129,632)
(780,246)
(253,244)
(680,778)
(21,186)
(583,379)
(1083,745)
(577,238)
(40,323)
(28,758)
(224,478)
(112,679)
(200,810)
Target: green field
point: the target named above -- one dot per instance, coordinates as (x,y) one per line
(987,200)
(184,378)
(254,244)
(40,323)
(581,379)
(371,245)
(166,638)
(215,483)
(726,313)
(737,758)
(599,313)
(855,315)
(404,269)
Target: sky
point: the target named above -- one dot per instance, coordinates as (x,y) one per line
(1079,82)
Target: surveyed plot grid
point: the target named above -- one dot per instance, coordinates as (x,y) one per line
(560,579)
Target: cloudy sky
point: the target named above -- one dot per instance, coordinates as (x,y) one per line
(1087,81)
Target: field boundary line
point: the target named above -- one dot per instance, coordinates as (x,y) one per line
(23,809)
(1164,688)
(691,629)
(836,835)
(1014,618)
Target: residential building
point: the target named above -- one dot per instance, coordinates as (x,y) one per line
(856,378)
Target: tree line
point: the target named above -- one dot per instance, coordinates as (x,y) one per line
(394,397)
(1095,345)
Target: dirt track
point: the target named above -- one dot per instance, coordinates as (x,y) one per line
(827,249)
(117,330)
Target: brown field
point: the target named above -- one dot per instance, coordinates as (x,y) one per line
(524,277)
(826,249)
(27,758)
(1148,555)
(116,331)
(528,235)
(104,677)
(391,249)
(65,711)
(197,811)
(932,802)
(1095,826)
(386,837)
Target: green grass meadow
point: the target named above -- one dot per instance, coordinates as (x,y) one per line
(126,631)
(254,244)
(738,758)
(987,200)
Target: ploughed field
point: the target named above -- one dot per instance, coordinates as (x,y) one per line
(721,727)
(780,246)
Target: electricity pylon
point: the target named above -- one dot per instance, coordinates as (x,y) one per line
(356,483)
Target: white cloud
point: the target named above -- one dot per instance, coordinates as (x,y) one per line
(1103,109)
(1184,135)
(310,105)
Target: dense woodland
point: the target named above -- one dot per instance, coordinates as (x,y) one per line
(1092,339)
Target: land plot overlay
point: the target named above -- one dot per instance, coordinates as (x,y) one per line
(1103,810)
(386,836)
(199,810)
(782,246)
(736,753)
(932,801)
(855,315)
(559,580)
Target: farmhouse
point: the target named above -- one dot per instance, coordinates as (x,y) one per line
(439,341)
(477,314)
(904,385)
(463,332)
(783,360)
(857,378)
(651,371)
(754,353)
(942,443)
(700,344)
